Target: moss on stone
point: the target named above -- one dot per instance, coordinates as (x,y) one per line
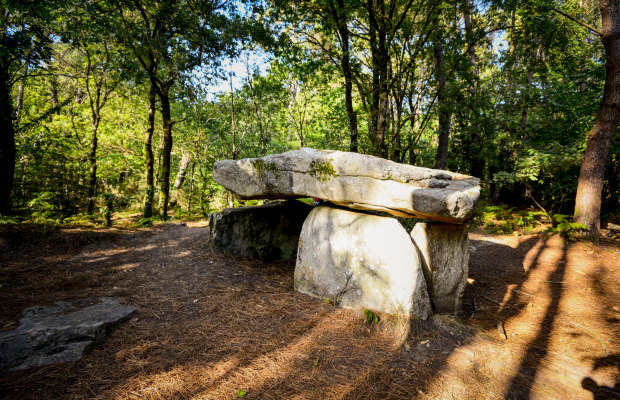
(322,170)
(259,166)
(262,168)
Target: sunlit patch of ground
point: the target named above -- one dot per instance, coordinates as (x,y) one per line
(215,327)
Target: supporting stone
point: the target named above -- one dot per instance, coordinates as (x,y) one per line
(358,260)
(268,233)
(444,249)
(59,333)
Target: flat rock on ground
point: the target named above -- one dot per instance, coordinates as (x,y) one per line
(59,333)
(355,181)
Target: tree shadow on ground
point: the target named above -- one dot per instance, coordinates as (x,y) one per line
(209,325)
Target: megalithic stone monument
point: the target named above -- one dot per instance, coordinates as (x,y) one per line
(362,260)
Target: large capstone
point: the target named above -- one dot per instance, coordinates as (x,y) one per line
(358,260)
(355,181)
(59,333)
(269,232)
(445,256)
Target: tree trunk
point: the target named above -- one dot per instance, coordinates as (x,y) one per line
(7,140)
(345,64)
(591,176)
(183,164)
(292,96)
(149,158)
(474,148)
(19,101)
(190,196)
(54,102)
(92,160)
(164,174)
(380,63)
(441,158)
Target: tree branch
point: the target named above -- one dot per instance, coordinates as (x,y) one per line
(593,29)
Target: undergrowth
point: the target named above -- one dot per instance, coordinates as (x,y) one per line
(501,219)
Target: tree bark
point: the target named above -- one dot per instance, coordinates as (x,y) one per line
(164,175)
(345,64)
(473,149)
(19,100)
(92,160)
(380,65)
(441,158)
(591,176)
(183,164)
(54,102)
(149,158)
(7,139)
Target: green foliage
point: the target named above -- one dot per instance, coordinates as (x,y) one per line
(563,225)
(145,222)
(504,219)
(519,112)
(372,317)
(9,219)
(241,393)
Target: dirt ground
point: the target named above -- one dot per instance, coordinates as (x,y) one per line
(216,327)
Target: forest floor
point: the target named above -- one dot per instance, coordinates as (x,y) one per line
(215,327)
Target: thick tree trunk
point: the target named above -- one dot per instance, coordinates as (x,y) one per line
(92,161)
(443,131)
(380,65)
(7,140)
(149,158)
(164,174)
(591,176)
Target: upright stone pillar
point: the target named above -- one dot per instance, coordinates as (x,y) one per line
(444,249)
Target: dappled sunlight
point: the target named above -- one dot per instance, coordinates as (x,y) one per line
(184,380)
(209,325)
(552,336)
(127,267)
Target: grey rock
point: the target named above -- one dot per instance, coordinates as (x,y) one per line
(360,260)
(613,227)
(59,333)
(444,249)
(269,232)
(355,181)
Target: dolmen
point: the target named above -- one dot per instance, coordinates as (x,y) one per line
(350,249)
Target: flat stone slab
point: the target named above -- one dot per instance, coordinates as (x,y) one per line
(355,181)
(59,333)
(269,232)
(358,260)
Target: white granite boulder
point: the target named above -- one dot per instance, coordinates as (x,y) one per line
(358,260)
(355,181)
